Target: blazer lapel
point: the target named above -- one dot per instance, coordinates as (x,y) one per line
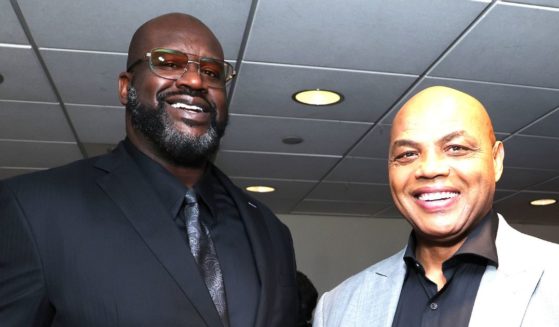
(259,237)
(505,292)
(125,185)
(386,281)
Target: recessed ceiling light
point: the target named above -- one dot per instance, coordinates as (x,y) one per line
(260,189)
(292,140)
(543,202)
(318,97)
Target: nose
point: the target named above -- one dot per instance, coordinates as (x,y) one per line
(191,77)
(432,165)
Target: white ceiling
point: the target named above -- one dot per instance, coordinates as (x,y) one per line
(60,60)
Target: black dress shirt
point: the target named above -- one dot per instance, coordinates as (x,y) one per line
(421,305)
(220,214)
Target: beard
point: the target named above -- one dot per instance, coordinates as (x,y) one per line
(171,144)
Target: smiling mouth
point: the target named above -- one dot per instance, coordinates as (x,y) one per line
(189,107)
(436,196)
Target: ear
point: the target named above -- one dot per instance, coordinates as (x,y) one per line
(124,81)
(498,158)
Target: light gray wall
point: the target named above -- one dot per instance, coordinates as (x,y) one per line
(329,249)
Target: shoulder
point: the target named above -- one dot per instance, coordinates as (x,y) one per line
(523,245)
(358,293)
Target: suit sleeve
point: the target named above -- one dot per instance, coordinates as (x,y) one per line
(23,299)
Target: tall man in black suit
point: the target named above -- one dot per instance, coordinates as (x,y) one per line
(116,241)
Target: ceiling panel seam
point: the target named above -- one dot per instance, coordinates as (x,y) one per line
(242,48)
(43,65)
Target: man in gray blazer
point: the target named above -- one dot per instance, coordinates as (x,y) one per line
(463,265)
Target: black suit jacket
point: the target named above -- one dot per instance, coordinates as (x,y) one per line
(89,244)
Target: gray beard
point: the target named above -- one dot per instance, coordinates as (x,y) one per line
(172,145)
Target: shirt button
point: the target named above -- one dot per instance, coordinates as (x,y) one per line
(433,306)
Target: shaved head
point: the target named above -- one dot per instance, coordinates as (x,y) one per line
(150,33)
(441,100)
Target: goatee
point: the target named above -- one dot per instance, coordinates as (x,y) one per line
(174,146)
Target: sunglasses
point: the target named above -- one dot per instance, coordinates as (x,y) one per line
(172,64)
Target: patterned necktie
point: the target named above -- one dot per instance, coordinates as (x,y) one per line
(203,250)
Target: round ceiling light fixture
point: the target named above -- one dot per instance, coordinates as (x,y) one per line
(260,189)
(318,97)
(543,202)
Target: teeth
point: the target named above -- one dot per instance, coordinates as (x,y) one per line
(436,196)
(181,105)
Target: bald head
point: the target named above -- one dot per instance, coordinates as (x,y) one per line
(435,103)
(172,26)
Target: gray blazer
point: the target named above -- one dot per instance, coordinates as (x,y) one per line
(523,291)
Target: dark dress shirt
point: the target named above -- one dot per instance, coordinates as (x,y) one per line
(220,214)
(421,305)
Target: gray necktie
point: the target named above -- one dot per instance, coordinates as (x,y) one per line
(203,250)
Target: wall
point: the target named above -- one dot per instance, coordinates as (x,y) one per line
(329,249)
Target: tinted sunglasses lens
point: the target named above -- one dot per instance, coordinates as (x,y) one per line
(168,64)
(213,71)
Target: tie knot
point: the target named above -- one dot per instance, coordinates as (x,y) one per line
(190,196)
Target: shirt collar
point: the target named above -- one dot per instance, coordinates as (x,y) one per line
(205,189)
(480,241)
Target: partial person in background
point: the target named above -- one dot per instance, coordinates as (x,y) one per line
(308,296)
(463,265)
(152,234)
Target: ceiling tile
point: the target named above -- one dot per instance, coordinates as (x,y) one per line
(24,78)
(521,178)
(37,154)
(267,90)
(86,78)
(374,144)
(532,152)
(338,208)
(107,25)
(510,107)
(11,31)
(34,121)
(391,36)
(500,49)
(360,170)
(336,191)
(268,165)
(96,124)
(256,133)
(545,127)
(517,209)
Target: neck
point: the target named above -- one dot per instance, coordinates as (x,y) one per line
(189,176)
(432,256)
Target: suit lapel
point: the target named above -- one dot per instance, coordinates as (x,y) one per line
(504,293)
(259,237)
(386,281)
(125,185)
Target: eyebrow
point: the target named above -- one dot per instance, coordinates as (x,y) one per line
(413,144)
